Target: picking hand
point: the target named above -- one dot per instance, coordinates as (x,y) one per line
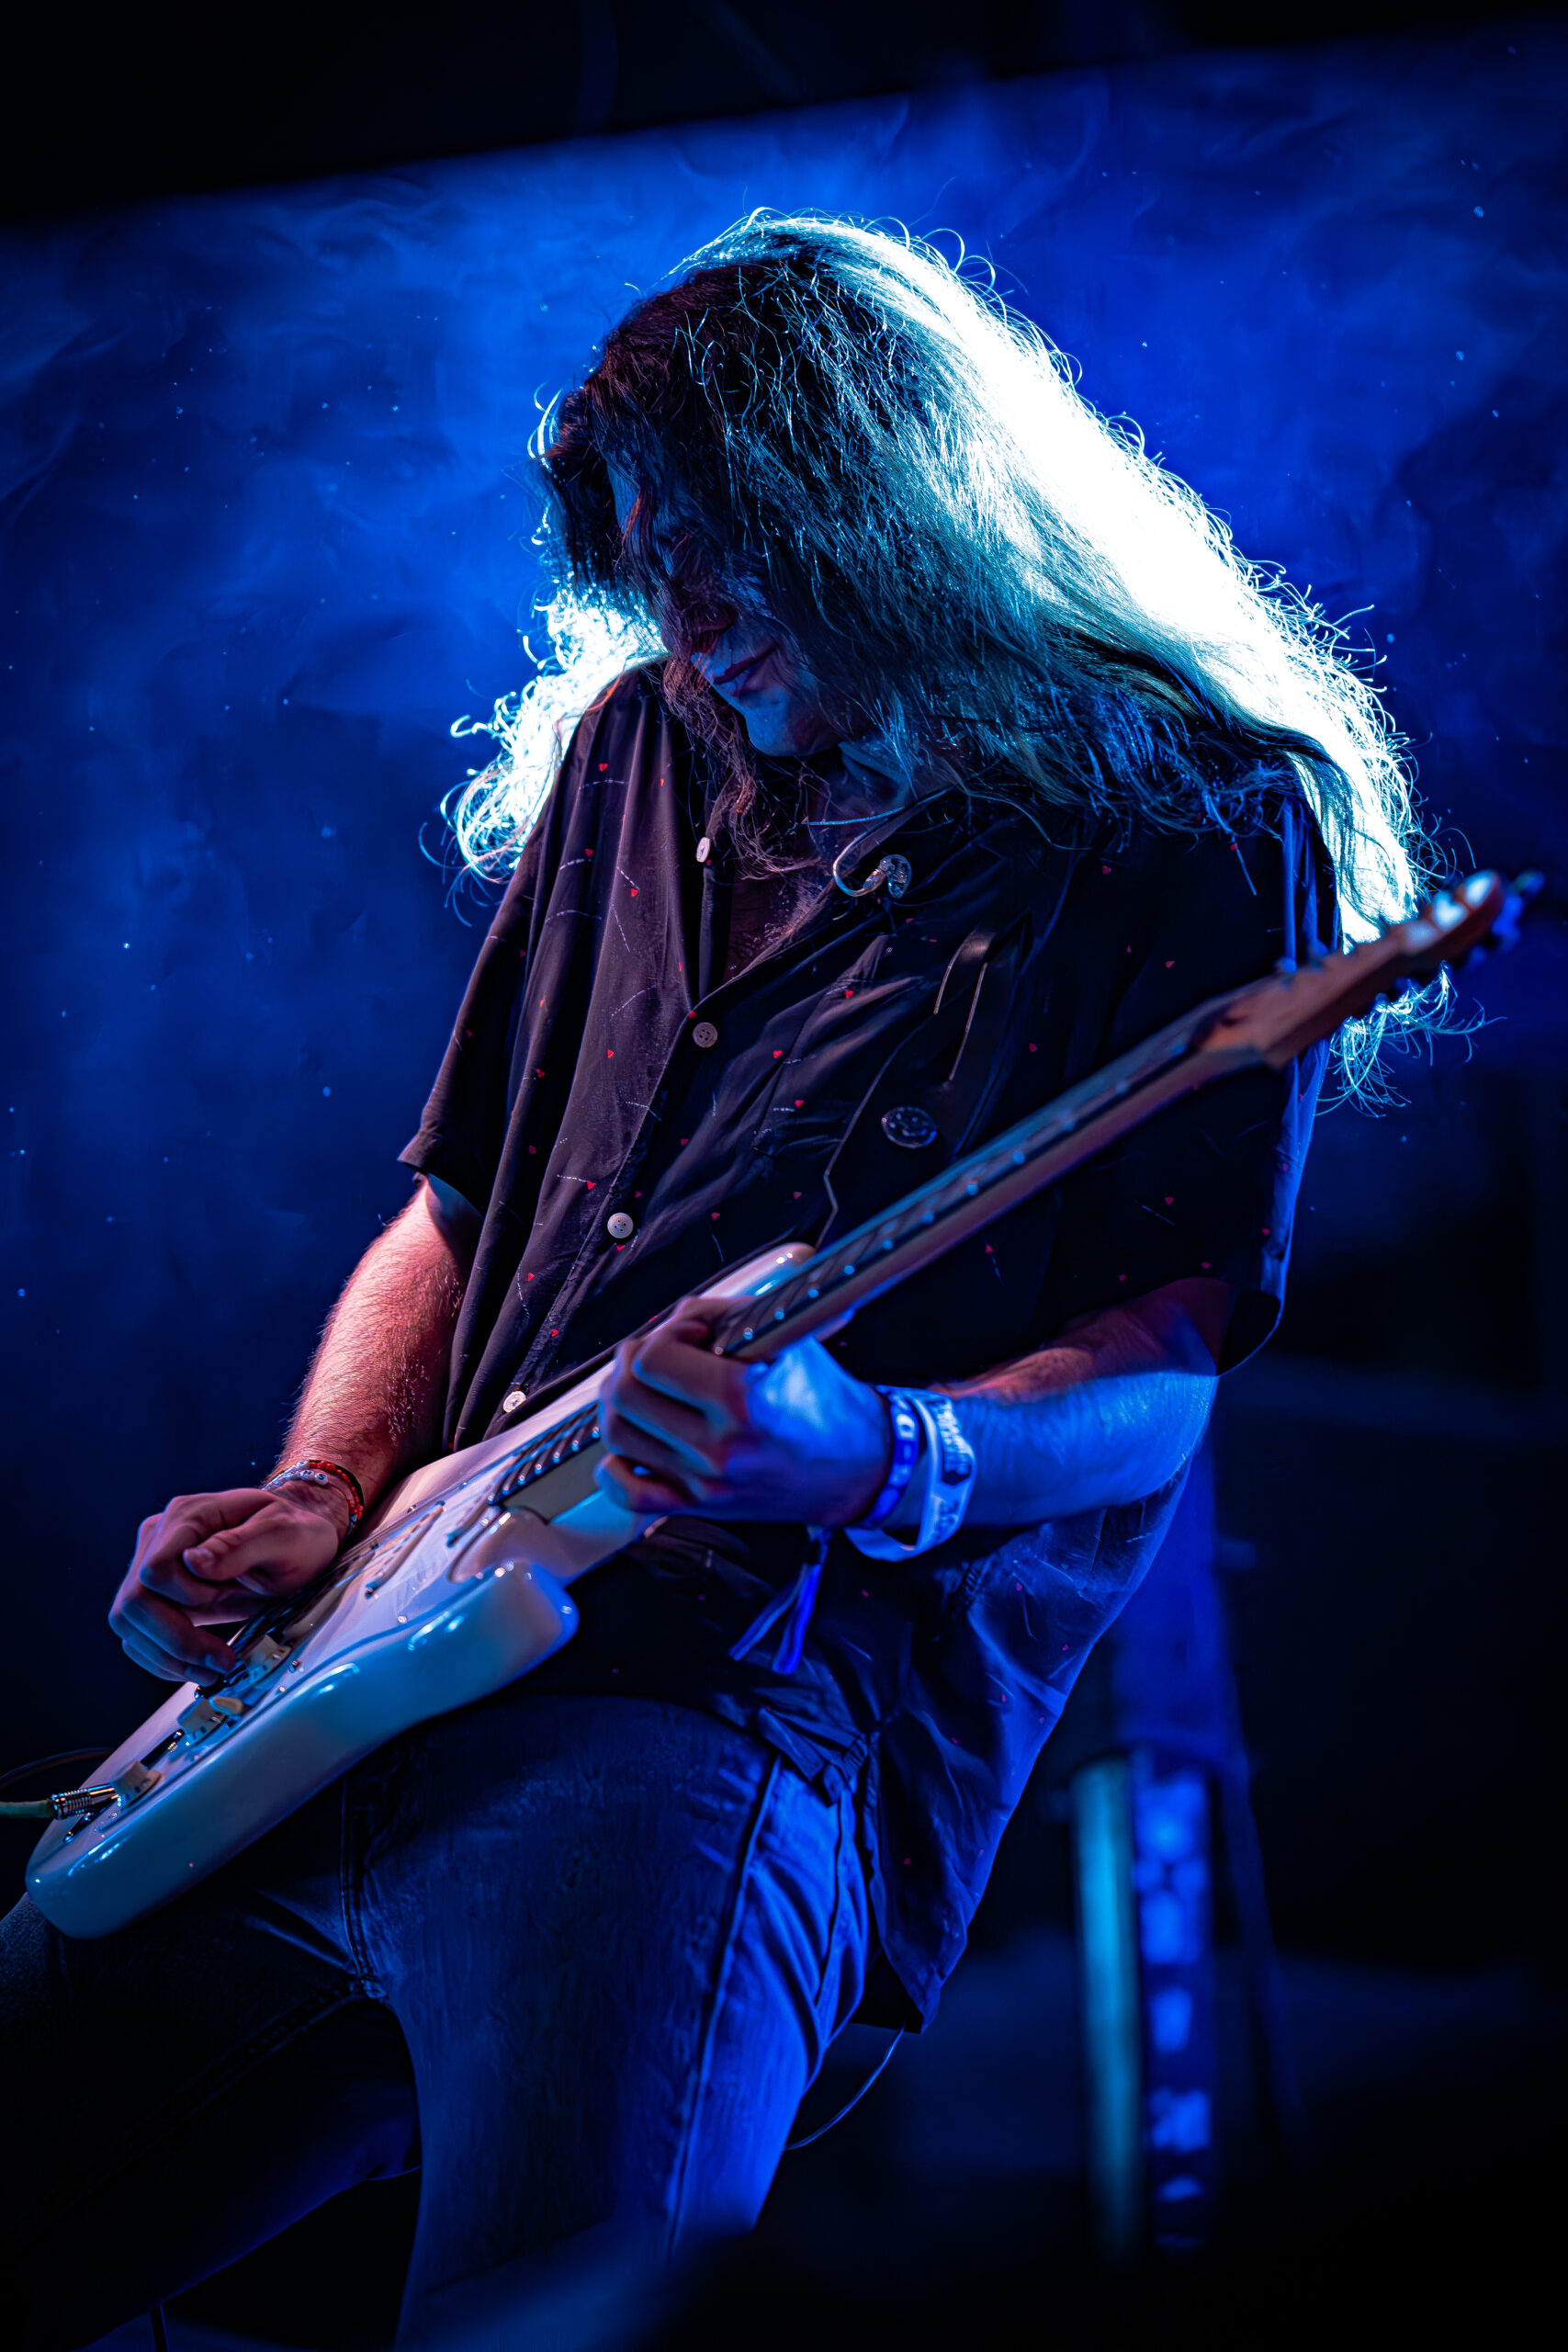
(796,1441)
(207,1559)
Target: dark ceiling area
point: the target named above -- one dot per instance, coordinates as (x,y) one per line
(141,103)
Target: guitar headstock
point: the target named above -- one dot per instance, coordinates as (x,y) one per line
(1284,1016)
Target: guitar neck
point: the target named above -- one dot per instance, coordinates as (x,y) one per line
(1263,1025)
(1266,1024)
(557,1469)
(975,1191)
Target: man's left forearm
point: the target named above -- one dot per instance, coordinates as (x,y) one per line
(1082,1448)
(1105,1414)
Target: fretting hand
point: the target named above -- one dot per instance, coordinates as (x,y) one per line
(797,1440)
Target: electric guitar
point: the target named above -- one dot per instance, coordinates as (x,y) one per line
(461,1579)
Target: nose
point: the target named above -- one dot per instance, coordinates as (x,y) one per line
(696,616)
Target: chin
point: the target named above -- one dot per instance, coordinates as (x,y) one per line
(785,734)
(773,742)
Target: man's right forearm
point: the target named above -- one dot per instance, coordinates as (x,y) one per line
(375,1393)
(372,1403)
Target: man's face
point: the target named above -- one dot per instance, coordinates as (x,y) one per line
(743,654)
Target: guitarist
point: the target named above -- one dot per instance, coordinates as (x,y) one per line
(968,757)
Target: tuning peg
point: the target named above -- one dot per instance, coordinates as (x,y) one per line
(1504,932)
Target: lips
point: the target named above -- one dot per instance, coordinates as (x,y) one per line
(738,669)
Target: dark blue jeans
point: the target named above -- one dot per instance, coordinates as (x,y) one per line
(576,1958)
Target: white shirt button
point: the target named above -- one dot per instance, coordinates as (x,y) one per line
(704,1034)
(622,1227)
(516,1397)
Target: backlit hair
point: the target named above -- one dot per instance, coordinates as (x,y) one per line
(832,421)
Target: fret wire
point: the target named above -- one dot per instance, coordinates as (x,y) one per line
(953,1188)
(960,1183)
(956,1185)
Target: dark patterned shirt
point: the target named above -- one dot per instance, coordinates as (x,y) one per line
(600,1068)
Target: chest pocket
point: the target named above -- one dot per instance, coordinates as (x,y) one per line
(823,1042)
(931,1096)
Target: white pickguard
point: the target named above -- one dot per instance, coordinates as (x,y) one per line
(441,1602)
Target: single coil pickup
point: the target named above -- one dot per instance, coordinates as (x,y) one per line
(201,1719)
(262,1655)
(265,1643)
(293,1614)
(291,1620)
(571,1437)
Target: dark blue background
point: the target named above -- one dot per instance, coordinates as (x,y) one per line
(266,536)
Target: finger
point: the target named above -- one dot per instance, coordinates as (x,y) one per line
(190,1518)
(696,1307)
(692,1323)
(648,1496)
(164,1639)
(152,1661)
(277,1535)
(230,1604)
(147,1531)
(270,1577)
(276,1549)
(191,1522)
(146,1539)
(172,1580)
(675,1362)
(655,1430)
(635,1443)
(188,1641)
(627,1392)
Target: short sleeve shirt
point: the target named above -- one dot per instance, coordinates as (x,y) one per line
(628,1125)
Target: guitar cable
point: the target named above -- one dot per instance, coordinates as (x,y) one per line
(810,2138)
(65,1802)
(56,1808)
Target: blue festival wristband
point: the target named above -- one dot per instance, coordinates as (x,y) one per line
(907,1432)
(947,1482)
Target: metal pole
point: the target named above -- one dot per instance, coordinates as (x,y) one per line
(1112,2031)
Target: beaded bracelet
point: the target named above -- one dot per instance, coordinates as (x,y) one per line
(316,1470)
